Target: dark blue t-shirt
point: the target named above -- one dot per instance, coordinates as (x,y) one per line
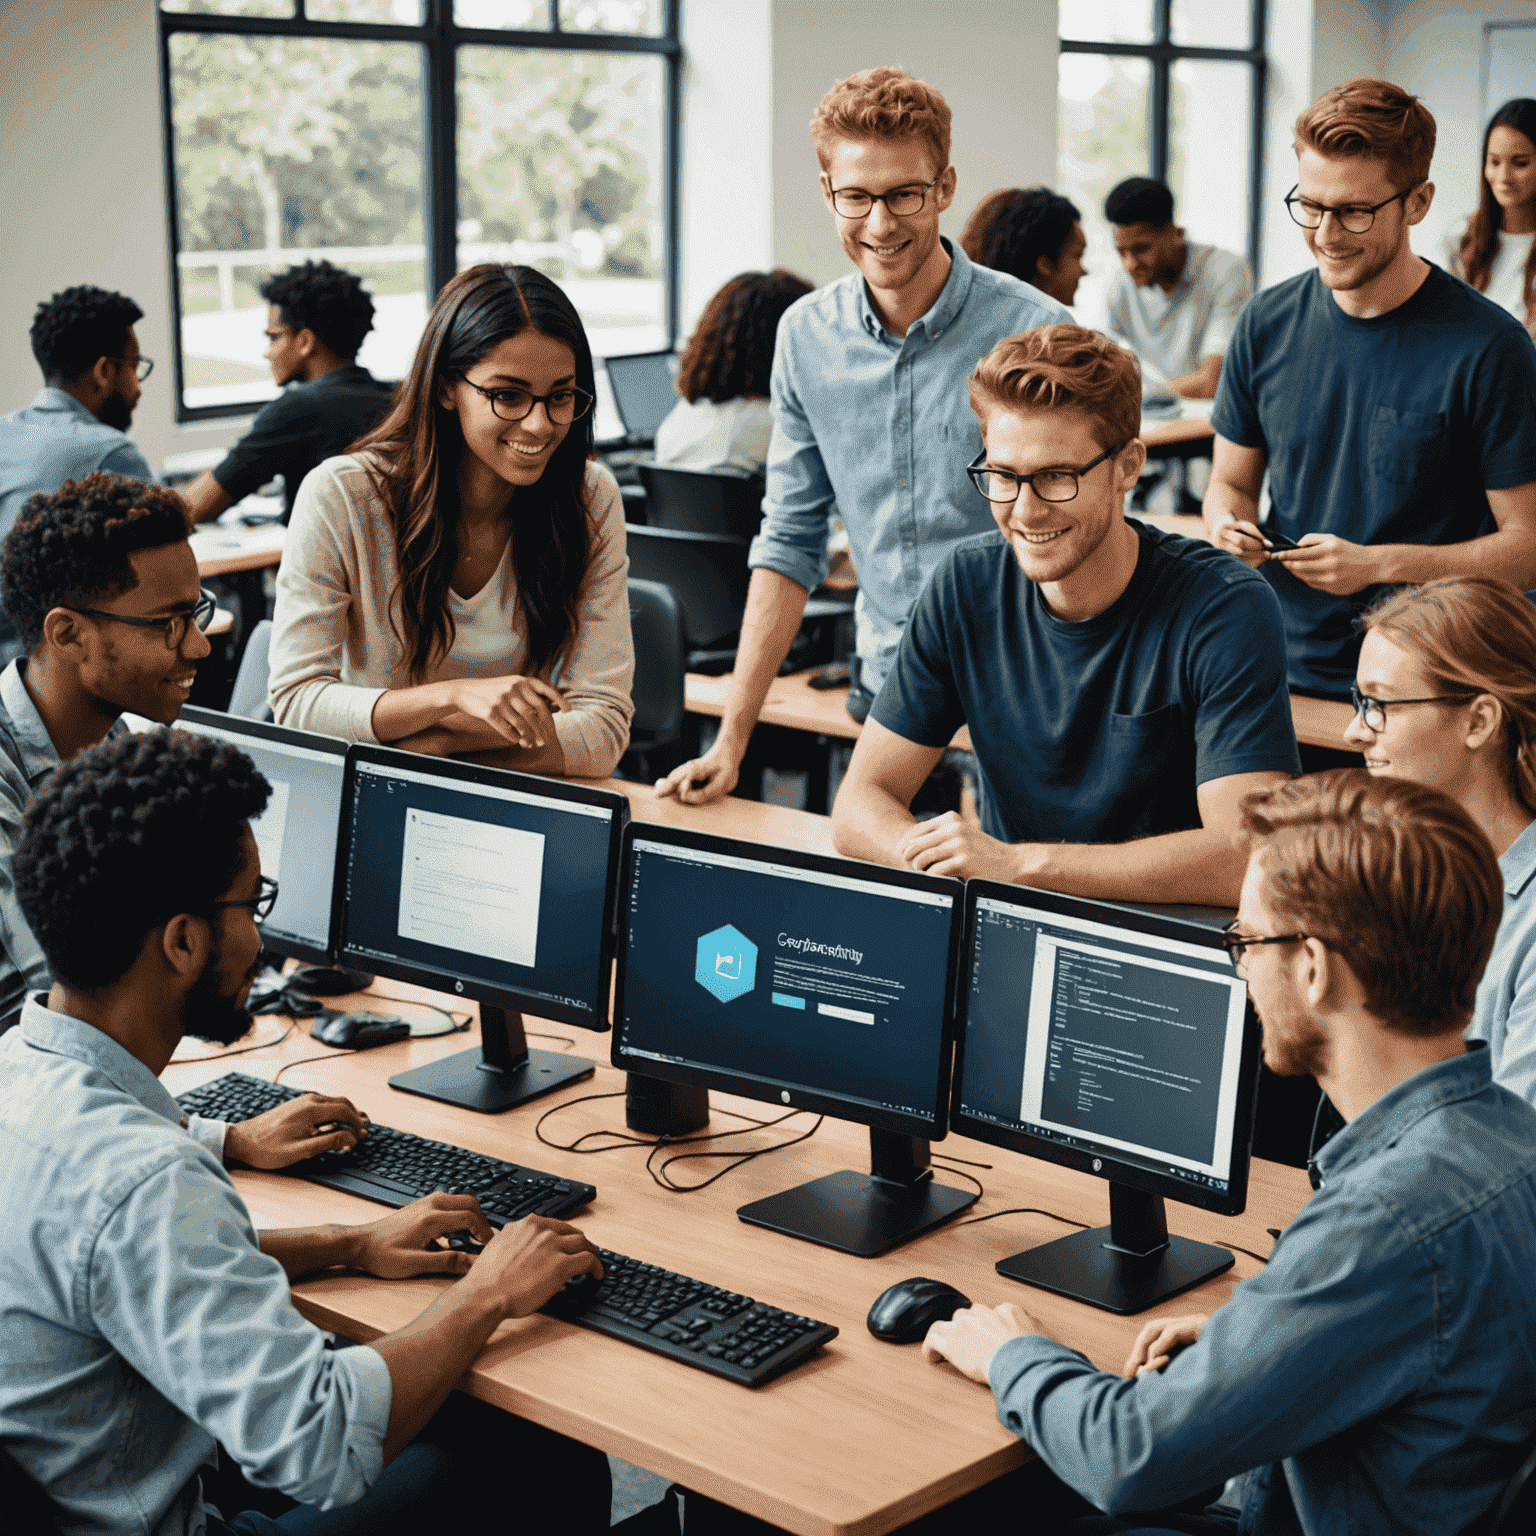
(1098,731)
(1384,431)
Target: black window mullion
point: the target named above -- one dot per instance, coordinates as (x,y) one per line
(1260,90)
(440,163)
(1157,118)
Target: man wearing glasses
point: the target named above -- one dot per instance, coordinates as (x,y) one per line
(869,415)
(1393,406)
(1124,688)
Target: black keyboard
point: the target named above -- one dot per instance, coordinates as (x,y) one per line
(719,1331)
(396,1167)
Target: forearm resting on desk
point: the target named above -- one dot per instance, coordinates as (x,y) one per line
(485,747)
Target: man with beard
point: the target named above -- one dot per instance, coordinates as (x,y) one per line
(103,588)
(142,1318)
(1379,1374)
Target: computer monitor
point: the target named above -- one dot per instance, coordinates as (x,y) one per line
(493,885)
(1120,1043)
(643,392)
(296,834)
(804,981)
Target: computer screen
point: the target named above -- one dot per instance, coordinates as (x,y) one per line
(493,884)
(643,390)
(296,834)
(1094,1035)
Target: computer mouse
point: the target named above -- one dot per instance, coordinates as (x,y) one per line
(464,1242)
(902,1315)
(361,1031)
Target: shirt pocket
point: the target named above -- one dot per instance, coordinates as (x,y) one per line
(1146,781)
(1405,446)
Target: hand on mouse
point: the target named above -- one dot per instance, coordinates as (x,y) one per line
(296,1130)
(1160,1341)
(974,1334)
(404,1243)
(525,1263)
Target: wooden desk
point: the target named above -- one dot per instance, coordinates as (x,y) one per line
(860,1439)
(224,549)
(1178,436)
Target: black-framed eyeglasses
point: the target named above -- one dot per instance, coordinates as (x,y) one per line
(174,625)
(1373,712)
(1355,219)
(856,203)
(142,366)
(1003,486)
(261,904)
(562,406)
(1235,943)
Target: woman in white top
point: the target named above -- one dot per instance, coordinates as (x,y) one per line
(457,584)
(722,420)
(1495,254)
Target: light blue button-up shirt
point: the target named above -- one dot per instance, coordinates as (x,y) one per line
(1505,1012)
(1379,1373)
(881,427)
(139,1319)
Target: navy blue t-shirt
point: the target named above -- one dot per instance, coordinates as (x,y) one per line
(1097,731)
(1383,431)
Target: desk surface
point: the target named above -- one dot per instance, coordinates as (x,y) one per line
(863,1437)
(224,548)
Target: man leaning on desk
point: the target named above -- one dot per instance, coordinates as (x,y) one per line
(143,1319)
(1124,687)
(867,394)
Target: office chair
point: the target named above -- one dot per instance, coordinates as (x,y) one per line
(249,695)
(658,732)
(708,574)
(702,500)
(1515,1513)
(24,1501)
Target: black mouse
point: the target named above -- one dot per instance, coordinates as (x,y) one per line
(902,1315)
(464,1242)
(361,1031)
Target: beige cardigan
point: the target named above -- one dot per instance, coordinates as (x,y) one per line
(333,651)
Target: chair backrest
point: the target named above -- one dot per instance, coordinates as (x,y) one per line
(24,1501)
(707,571)
(1516,1509)
(702,500)
(661,660)
(249,695)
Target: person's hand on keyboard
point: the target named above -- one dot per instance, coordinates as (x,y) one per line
(299,1129)
(525,1263)
(1160,1341)
(405,1243)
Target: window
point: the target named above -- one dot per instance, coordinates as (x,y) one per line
(405,140)
(1165,88)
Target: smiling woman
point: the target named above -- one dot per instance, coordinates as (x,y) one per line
(457,585)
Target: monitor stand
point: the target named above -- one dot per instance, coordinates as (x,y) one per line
(1126,1267)
(865,1213)
(502,1074)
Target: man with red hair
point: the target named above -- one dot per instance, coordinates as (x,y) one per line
(1124,688)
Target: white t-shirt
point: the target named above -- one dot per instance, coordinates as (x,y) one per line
(1175,329)
(1506,280)
(702,434)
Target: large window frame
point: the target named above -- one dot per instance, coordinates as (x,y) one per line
(440,38)
(1162,53)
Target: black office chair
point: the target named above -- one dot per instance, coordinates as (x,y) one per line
(24,1501)
(702,500)
(1515,1513)
(658,734)
(708,573)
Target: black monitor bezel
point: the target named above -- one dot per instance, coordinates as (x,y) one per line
(263,730)
(500,778)
(1109,1165)
(729,1082)
(625,357)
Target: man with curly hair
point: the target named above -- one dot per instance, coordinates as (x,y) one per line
(318,318)
(144,1321)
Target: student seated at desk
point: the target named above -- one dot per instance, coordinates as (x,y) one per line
(142,1317)
(1378,1376)
(1119,683)
(1032,233)
(457,585)
(723,420)
(1446,695)
(317,318)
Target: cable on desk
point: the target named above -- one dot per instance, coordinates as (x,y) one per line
(950,1157)
(662,1179)
(534,1034)
(448,1013)
(1236,1249)
(300,1061)
(961,1173)
(245,1050)
(624,1138)
(1026,1210)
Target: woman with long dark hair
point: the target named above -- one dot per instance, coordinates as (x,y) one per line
(456,583)
(722,420)
(1497,254)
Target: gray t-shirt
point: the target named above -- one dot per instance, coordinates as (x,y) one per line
(1174,329)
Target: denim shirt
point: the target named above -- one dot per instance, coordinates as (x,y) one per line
(882,426)
(139,1320)
(1385,1358)
(1505,1012)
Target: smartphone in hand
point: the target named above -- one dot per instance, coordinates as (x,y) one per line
(1274,539)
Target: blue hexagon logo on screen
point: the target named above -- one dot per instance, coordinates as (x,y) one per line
(727,964)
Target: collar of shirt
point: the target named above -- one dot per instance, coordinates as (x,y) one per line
(935,321)
(1518,862)
(1377,1128)
(57,1032)
(38,755)
(50,399)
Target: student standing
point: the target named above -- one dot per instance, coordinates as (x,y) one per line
(1394,407)
(868,397)
(1496,254)
(457,585)
(1031,233)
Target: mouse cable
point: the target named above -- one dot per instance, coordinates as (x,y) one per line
(245,1050)
(1236,1249)
(625,1138)
(341,1050)
(1025,1210)
(664,1180)
(950,1157)
(960,1173)
(448,1013)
